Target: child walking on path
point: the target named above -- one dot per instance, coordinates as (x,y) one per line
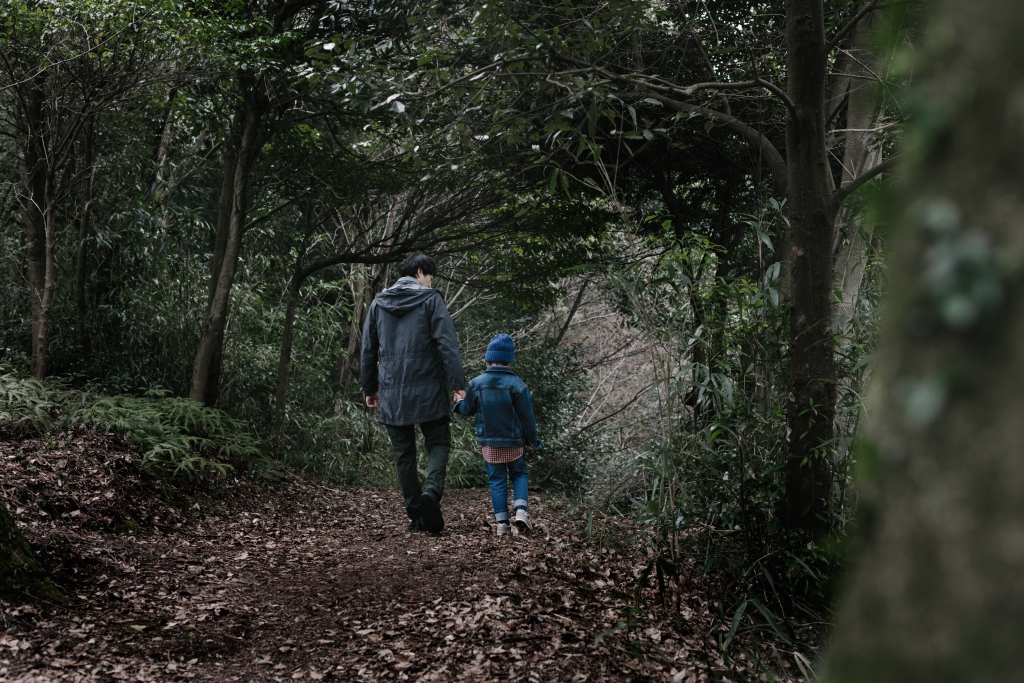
(505,425)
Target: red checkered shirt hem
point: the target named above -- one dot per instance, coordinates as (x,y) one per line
(497,455)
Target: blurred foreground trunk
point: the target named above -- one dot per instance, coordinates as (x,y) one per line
(937,593)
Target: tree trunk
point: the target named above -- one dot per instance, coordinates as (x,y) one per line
(82,260)
(938,594)
(20,571)
(862,114)
(35,207)
(355,329)
(225,205)
(284,364)
(40,234)
(812,372)
(226,199)
(206,368)
(161,143)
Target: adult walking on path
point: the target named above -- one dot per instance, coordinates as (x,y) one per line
(410,358)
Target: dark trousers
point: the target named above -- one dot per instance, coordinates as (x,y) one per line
(438,438)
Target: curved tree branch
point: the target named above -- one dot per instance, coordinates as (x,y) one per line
(753,137)
(572,313)
(841,33)
(848,188)
(833,43)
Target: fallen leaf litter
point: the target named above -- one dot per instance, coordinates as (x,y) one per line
(303,581)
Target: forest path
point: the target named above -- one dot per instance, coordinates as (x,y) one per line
(298,581)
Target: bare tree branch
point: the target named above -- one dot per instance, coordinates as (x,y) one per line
(572,312)
(841,33)
(751,135)
(848,188)
(866,10)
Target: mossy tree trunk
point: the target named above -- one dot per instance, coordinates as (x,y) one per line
(20,571)
(938,591)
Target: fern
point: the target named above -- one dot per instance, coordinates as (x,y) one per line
(178,437)
(26,402)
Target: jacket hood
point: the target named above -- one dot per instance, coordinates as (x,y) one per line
(403,297)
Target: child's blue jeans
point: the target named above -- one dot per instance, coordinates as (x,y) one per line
(498,476)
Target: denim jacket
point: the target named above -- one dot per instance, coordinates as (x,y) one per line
(504,413)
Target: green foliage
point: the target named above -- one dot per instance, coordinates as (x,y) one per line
(713,480)
(179,438)
(26,402)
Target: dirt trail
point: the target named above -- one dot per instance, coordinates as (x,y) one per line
(308,582)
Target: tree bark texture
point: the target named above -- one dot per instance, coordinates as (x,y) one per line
(284,364)
(351,359)
(812,371)
(225,205)
(161,145)
(20,571)
(84,230)
(938,589)
(38,209)
(206,368)
(862,114)
(226,199)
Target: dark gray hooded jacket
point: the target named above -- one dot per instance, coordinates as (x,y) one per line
(410,354)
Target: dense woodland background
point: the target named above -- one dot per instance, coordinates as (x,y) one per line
(667,204)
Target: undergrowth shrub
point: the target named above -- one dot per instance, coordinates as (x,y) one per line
(179,438)
(25,402)
(711,485)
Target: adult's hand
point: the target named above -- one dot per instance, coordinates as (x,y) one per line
(458,395)
(373,401)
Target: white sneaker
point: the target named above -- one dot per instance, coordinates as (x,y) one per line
(523,520)
(503,528)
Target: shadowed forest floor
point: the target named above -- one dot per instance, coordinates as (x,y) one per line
(302,581)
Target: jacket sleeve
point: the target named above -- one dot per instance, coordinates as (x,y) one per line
(524,407)
(368,357)
(442,330)
(468,406)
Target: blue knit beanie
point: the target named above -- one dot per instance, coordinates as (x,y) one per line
(501,349)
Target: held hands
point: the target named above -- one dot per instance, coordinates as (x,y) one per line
(373,401)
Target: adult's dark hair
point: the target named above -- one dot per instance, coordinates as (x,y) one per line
(415,263)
